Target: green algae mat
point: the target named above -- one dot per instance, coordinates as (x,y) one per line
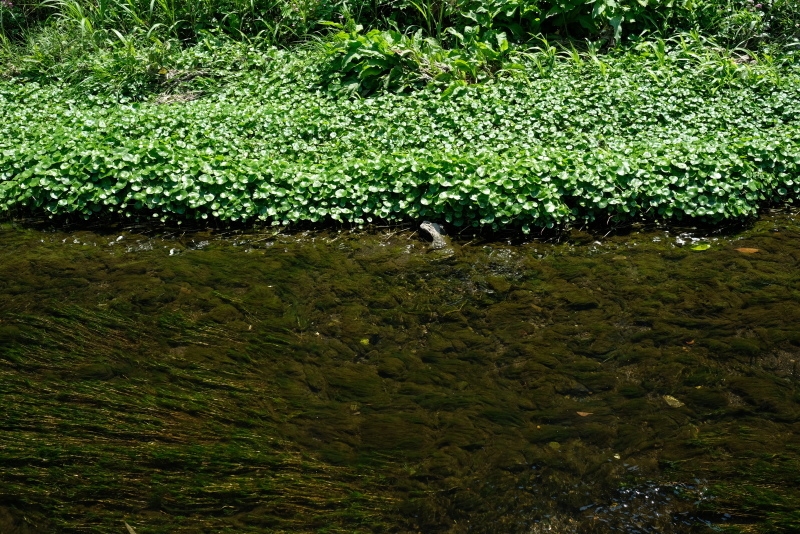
(268,381)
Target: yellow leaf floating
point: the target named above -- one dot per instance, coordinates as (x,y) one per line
(747,250)
(584,414)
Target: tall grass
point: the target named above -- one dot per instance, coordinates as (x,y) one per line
(178,19)
(732,22)
(132,41)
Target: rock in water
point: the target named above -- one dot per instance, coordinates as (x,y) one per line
(436,232)
(672,401)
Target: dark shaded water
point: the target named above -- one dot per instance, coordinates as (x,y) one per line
(338,382)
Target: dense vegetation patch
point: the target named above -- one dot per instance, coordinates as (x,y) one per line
(464,112)
(641,134)
(737,22)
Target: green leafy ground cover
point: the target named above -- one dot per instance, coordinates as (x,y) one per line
(661,130)
(475,112)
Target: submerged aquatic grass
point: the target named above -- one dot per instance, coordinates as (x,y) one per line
(352,382)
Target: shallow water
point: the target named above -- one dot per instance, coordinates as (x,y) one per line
(192,381)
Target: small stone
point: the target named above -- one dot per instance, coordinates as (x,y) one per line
(437,234)
(672,401)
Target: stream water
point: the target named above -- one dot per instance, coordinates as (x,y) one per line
(259,381)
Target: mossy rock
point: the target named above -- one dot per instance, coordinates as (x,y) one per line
(337,453)
(537,357)
(632,391)
(498,284)
(597,434)
(315,378)
(461,433)
(13,521)
(224,313)
(503,417)
(198,353)
(350,383)
(580,300)
(390,367)
(526,297)
(393,432)
(446,402)
(765,394)
(633,407)
(438,343)
(567,386)
(100,371)
(706,398)
(9,333)
(549,433)
(599,381)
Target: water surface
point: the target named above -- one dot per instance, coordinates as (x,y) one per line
(260,381)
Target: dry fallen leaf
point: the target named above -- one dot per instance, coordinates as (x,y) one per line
(584,414)
(747,250)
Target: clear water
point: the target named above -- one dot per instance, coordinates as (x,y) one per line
(258,381)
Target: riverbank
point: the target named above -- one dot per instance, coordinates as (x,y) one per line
(633,136)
